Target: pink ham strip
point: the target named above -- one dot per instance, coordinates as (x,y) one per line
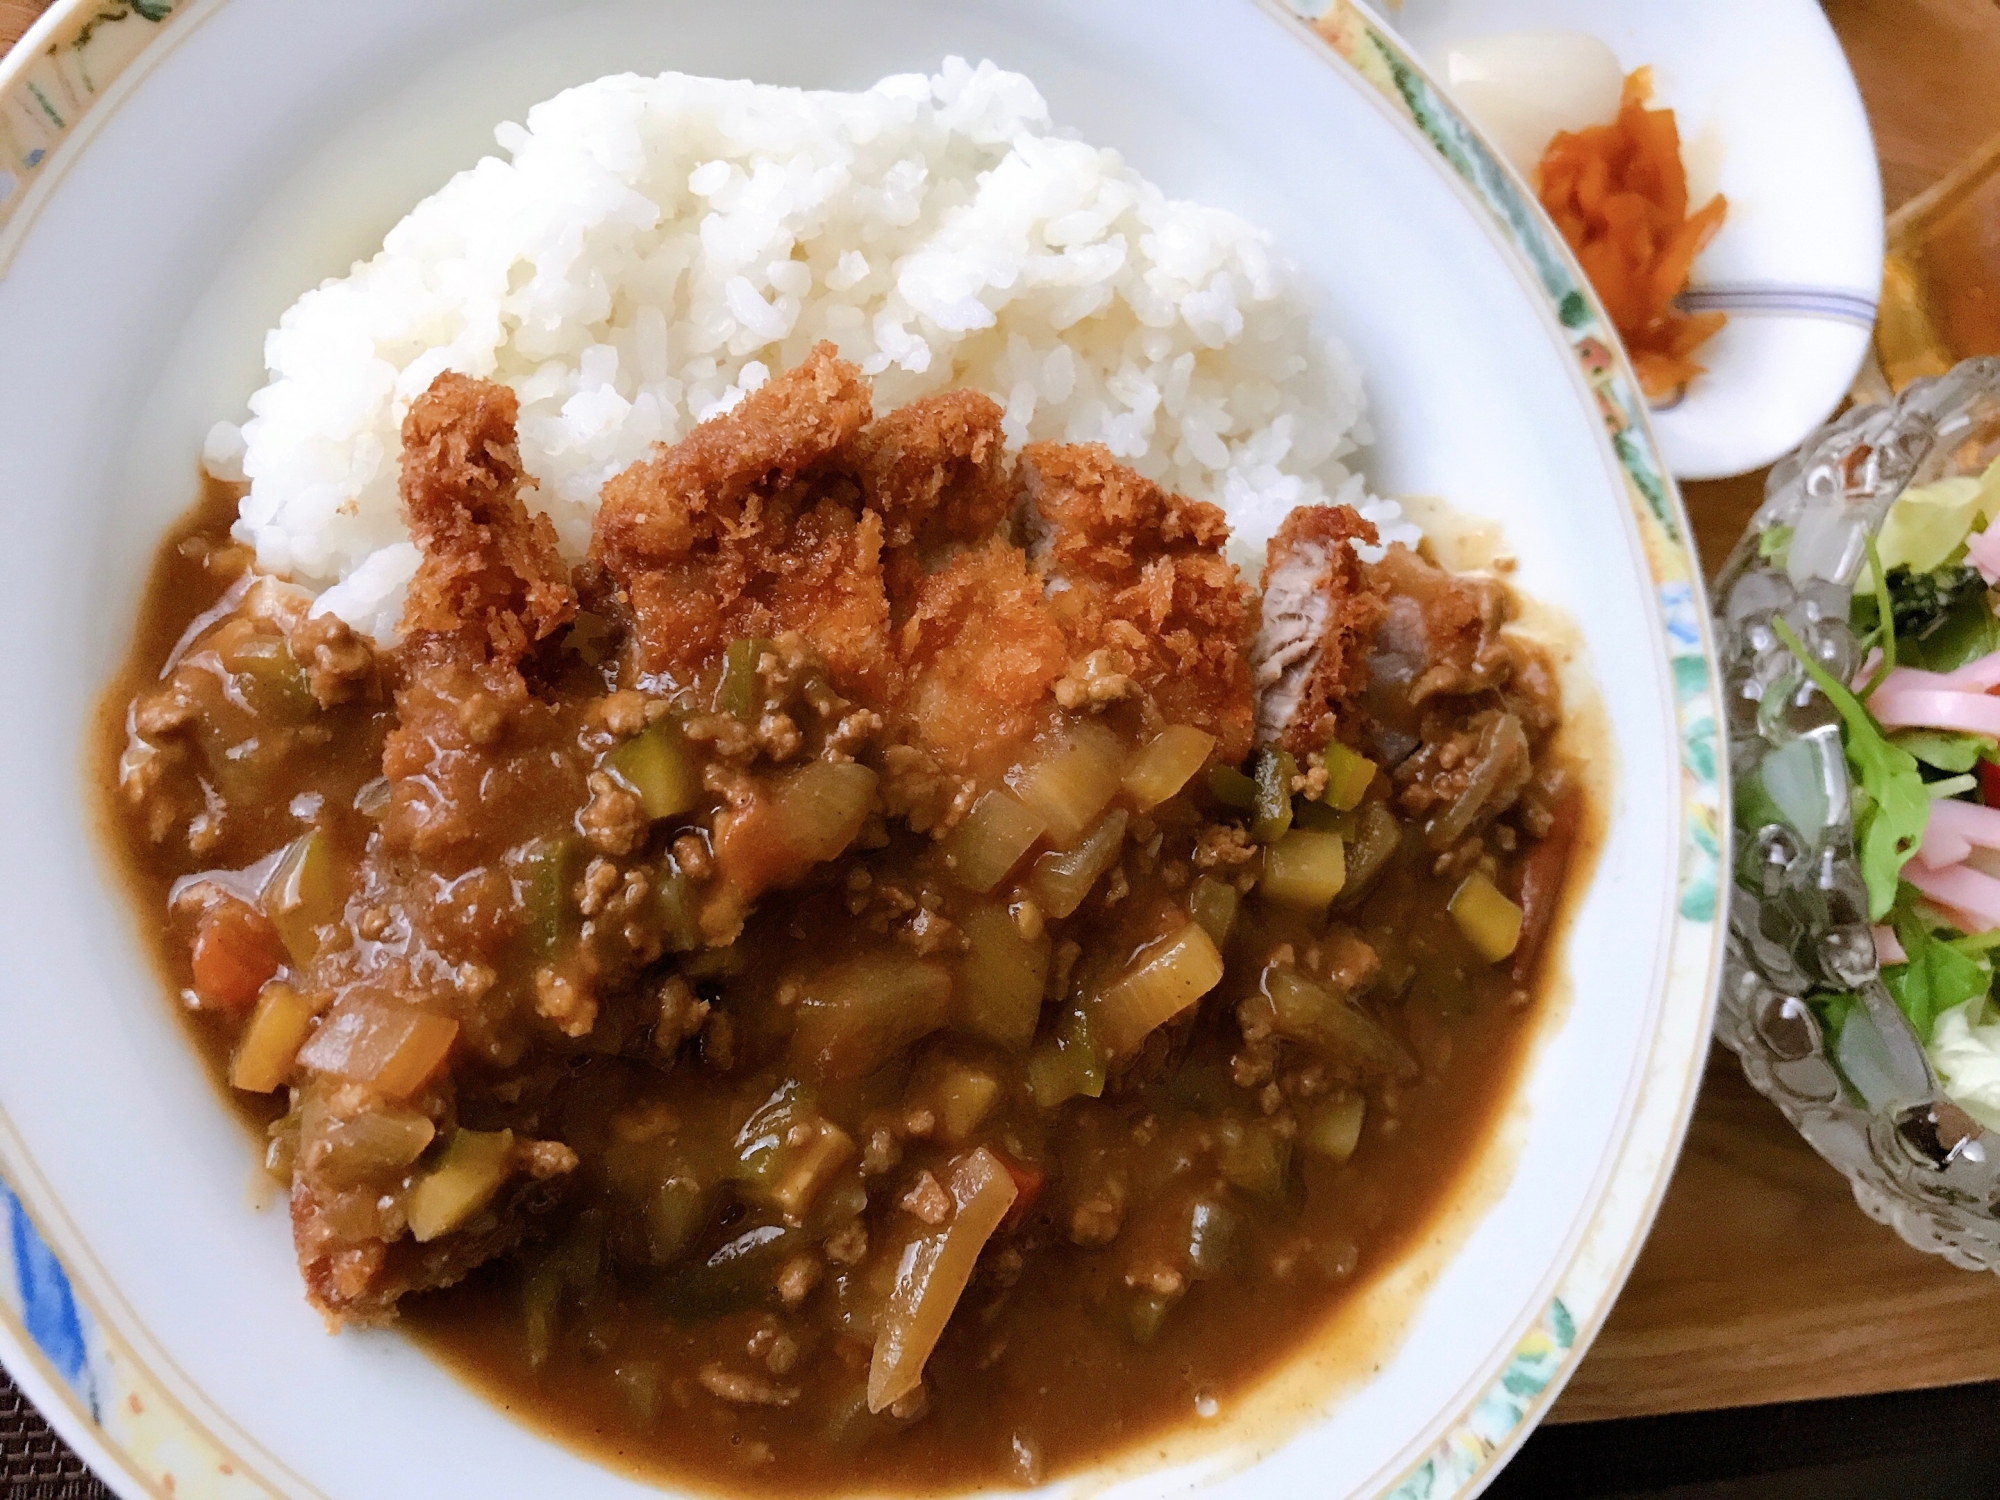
(1930,708)
(1974,677)
(1887,949)
(1974,898)
(1984,551)
(1955,828)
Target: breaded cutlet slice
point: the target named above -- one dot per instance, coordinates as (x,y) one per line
(1138,572)
(1320,610)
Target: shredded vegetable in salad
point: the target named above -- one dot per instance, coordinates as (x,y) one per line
(1922,738)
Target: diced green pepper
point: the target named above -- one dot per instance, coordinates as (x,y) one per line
(1271,816)
(303,895)
(680,924)
(1147,1316)
(271,680)
(474,1166)
(1349,774)
(1069,1063)
(742,1274)
(676,1214)
(551,868)
(1213,904)
(737,692)
(1252,1157)
(1317,817)
(659,765)
(1232,788)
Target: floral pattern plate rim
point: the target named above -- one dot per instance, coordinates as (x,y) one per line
(128,1416)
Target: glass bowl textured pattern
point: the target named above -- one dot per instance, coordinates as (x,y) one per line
(1870,1103)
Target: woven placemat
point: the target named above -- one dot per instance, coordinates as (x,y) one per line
(35,1464)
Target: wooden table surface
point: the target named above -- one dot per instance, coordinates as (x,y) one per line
(1762,1281)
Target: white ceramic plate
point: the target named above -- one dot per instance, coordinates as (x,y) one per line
(178,173)
(1769,115)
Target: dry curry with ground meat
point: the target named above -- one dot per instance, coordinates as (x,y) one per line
(902,969)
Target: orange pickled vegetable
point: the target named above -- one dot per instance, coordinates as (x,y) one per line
(236,949)
(1618,193)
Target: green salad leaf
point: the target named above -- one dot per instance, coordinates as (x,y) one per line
(1966,630)
(1938,975)
(1833,1013)
(1929,522)
(1946,749)
(1889,819)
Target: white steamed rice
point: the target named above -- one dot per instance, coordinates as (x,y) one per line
(657,247)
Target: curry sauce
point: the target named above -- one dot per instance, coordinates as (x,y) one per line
(777,1031)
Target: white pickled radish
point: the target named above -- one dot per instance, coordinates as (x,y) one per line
(1523,87)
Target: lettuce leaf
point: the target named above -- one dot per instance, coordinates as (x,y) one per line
(1889,818)
(1947,749)
(1937,976)
(1929,522)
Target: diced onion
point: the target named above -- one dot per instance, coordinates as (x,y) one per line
(1334,1129)
(991,840)
(1060,880)
(394,1047)
(1167,978)
(855,1016)
(1073,781)
(931,1275)
(1166,764)
(1000,978)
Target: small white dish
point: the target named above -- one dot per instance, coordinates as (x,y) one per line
(1769,115)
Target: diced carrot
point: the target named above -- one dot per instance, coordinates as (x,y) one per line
(236,950)
(1028,1184)
(1618,193)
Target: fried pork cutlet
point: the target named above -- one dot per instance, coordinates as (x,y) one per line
(491,581)
(1320,611)
(886,543)
(491,587)
(750,526)
(1137,573)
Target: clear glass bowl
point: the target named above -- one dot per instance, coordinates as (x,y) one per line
(1798,916)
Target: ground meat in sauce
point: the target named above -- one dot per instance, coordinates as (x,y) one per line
(834,983)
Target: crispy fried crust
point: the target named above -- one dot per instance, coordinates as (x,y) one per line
(936,470)
(1319,613)
(887,545)
(1139,571)
(737,531)
(983,651)
(723,481)
(491,583)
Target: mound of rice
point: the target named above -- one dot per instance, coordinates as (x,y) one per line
(656,247)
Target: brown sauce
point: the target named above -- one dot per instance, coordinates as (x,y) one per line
(1094,1321)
